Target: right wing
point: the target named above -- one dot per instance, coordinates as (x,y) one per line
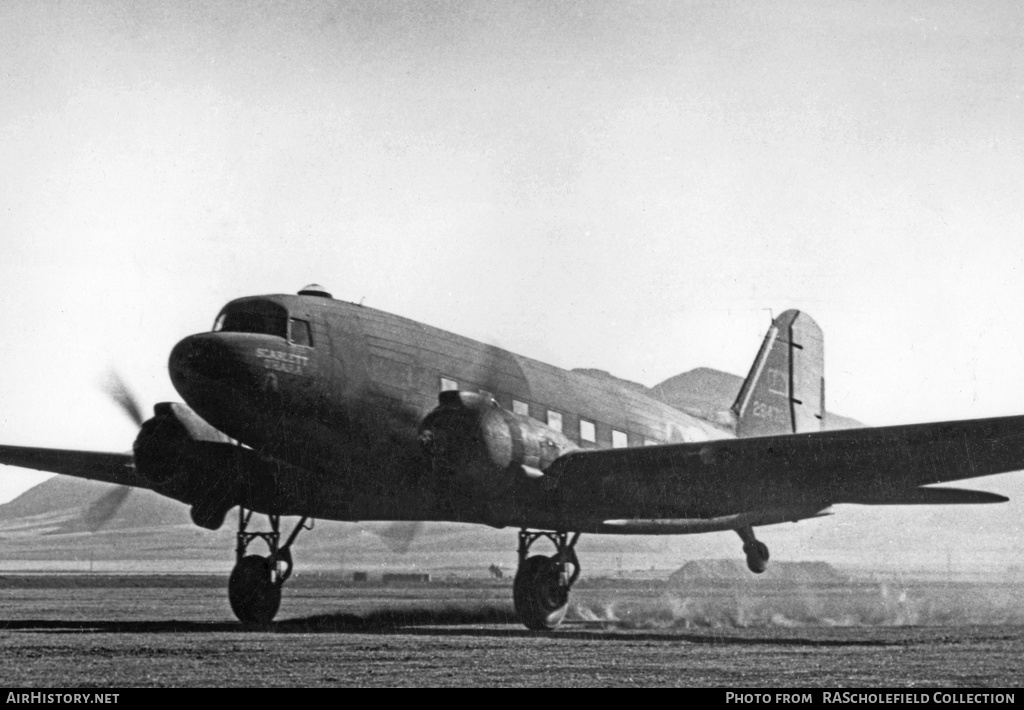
(883,465)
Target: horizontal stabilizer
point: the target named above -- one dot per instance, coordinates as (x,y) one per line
(686,526)
(931,496)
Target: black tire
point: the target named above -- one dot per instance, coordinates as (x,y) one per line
(540,600)
(757,556)
(254,596)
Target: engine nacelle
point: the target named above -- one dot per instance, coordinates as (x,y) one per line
(169,447)
(181,456)
(484,450)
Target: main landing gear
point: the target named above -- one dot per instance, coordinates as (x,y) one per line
(254,588)
(541,587)
(755,550)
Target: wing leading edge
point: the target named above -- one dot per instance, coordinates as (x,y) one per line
(801,472)
(93,465)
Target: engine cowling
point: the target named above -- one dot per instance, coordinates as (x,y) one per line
(485,452)
(181,456)
(169,447)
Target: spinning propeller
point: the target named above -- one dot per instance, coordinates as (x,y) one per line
(399,536)
(117,390)
(107,505)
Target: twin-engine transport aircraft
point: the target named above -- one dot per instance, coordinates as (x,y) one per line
(313,407)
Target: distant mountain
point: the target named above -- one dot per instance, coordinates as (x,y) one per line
(702,388)
(706,392)
(58,505)
(734,572)
(608,377)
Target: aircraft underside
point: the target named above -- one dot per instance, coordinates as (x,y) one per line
(540,590)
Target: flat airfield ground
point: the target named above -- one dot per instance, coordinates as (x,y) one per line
(81,631)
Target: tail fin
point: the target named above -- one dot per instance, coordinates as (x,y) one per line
(785,390)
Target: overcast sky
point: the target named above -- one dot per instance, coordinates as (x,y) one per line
(634,186)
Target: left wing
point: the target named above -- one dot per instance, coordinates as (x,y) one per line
(94,465)
(801,472)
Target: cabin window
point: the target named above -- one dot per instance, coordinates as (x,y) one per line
(619,439)
(300,334)
(447,384)
(263,317)
(520,407)
(555,420)
(587,431)
(390,372)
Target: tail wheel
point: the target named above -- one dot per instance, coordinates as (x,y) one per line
(757,556)
(254,594)
(540,594)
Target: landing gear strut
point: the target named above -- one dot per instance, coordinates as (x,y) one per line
(755,550)
(541,587)
(254,588)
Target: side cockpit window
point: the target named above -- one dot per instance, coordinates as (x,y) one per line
(264,317)
(300,333)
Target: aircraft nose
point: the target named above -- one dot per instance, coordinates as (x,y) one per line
(200,357)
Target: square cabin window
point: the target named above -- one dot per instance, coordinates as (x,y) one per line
(520,407)
(300,334)
(555,420)
(587,431)
(447,385)
(619,439)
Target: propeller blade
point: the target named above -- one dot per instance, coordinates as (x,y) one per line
(399,536)
(498,369)
(118,391)
(106,506)
(103,509)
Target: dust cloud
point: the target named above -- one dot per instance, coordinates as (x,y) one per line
(881,604)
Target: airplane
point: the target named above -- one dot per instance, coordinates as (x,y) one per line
(305,405)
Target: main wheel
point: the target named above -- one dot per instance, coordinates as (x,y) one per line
(757,556)
(539,596)
(254,596)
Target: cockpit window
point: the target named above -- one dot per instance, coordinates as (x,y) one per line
(261,317)
(300,334)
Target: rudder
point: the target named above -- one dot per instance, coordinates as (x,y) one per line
(785,390)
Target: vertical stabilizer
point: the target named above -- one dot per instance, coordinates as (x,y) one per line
(785,390)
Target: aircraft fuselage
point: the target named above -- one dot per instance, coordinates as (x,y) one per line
(339,391)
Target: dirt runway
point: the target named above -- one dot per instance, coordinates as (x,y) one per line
(80,631)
